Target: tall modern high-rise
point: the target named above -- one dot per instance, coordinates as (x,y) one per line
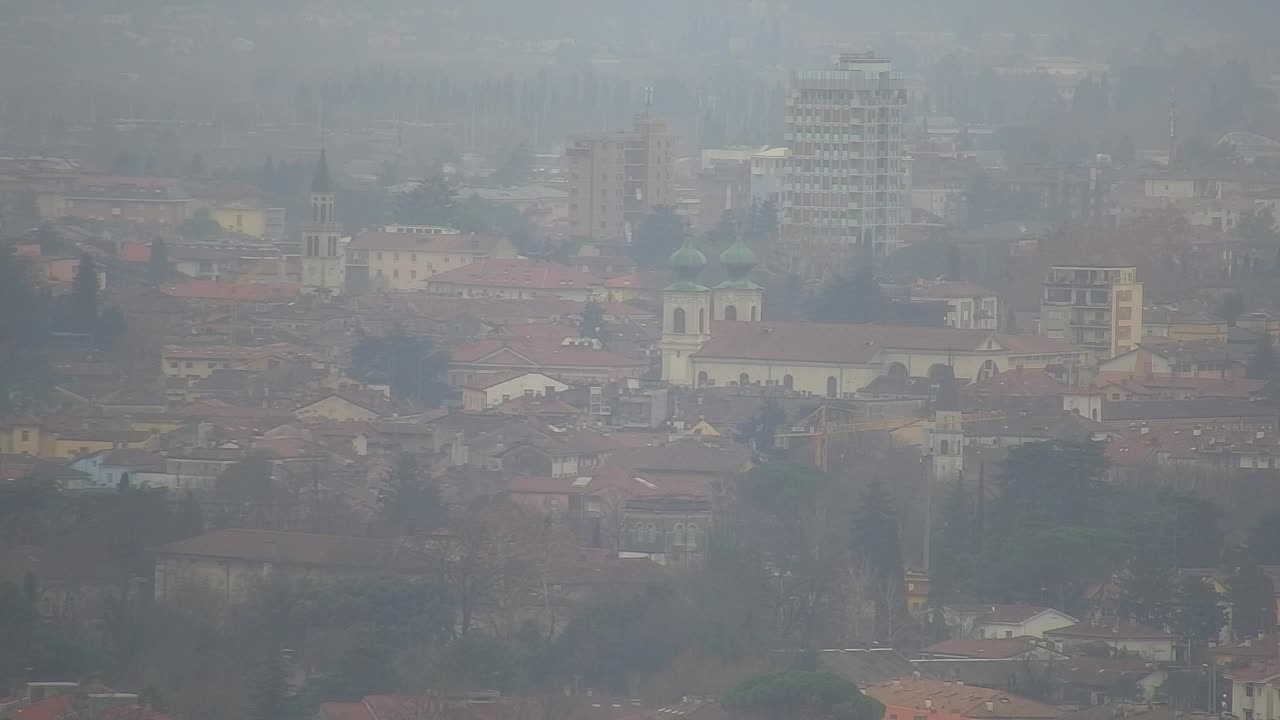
(617,178)
(845,191)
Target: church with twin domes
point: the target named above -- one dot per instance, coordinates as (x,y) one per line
(719,336)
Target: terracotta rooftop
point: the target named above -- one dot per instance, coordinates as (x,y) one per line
(237,292)
(298,548)
(948,289)
(987,649)
(824,342)
(457,243)
(518,274)
(1007,614)
(965,700)
(539,353)
(1120,630)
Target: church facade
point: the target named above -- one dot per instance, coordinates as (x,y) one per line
(716,336)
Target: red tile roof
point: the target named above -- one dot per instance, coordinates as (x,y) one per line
(902,712)
(458,243)
(298,548)
(52,708)
(1020,382)
(239,292)
(135,252)
(1256,672)
(520,274)
(541,353)
(824,342)
(1007,614)
(965,700)
(948,289)
(1116,631)
(982,649)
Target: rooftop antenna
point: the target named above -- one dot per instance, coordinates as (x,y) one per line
(1173,129)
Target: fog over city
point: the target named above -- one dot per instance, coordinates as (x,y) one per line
(603,360)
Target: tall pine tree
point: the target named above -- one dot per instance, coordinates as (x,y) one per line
(84,295)
(877,545)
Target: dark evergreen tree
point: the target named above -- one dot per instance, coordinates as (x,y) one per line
(1262,366)
(434,202)
(593,323)
(760,430)
(877,544)
(269,691)
(24,325)
(855,298)
(110,328)
(1252,598)
(410,365)
(84,295)
(158,262)
(1264,540)
(188,518)
(411,503)
(1198,615)
(659,235)
(952,559)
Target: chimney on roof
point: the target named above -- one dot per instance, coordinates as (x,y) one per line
(928,703)
(1144,430)
(991,706)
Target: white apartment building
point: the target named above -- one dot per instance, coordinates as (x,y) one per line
(846,190)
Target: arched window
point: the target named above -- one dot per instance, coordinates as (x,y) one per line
(691,537)
(833,387)
(651,533)
(898,370)
(944,448)
(702,320)
(988,370)
(637,533)
(788,382)
(744,380)
(753,313)
(677,535)
(677,320)
(730,312)
(702,378)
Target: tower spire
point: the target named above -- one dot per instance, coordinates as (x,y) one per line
(322,182)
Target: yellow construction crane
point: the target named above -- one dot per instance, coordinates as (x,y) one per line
(820,426)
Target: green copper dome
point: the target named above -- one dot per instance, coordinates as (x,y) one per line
(687,262)
(738,260)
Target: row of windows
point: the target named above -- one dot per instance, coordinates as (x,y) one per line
(679,536)
(173,365)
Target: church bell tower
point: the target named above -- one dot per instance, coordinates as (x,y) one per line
(686,315)
(323,264)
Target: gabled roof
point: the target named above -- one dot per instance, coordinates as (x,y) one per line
(831,343)
(995,648)
(517,274)
(1002,614)
(240,292)
(1114,631)
(456,243)
(298,548)
(966,700)
(537,354)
